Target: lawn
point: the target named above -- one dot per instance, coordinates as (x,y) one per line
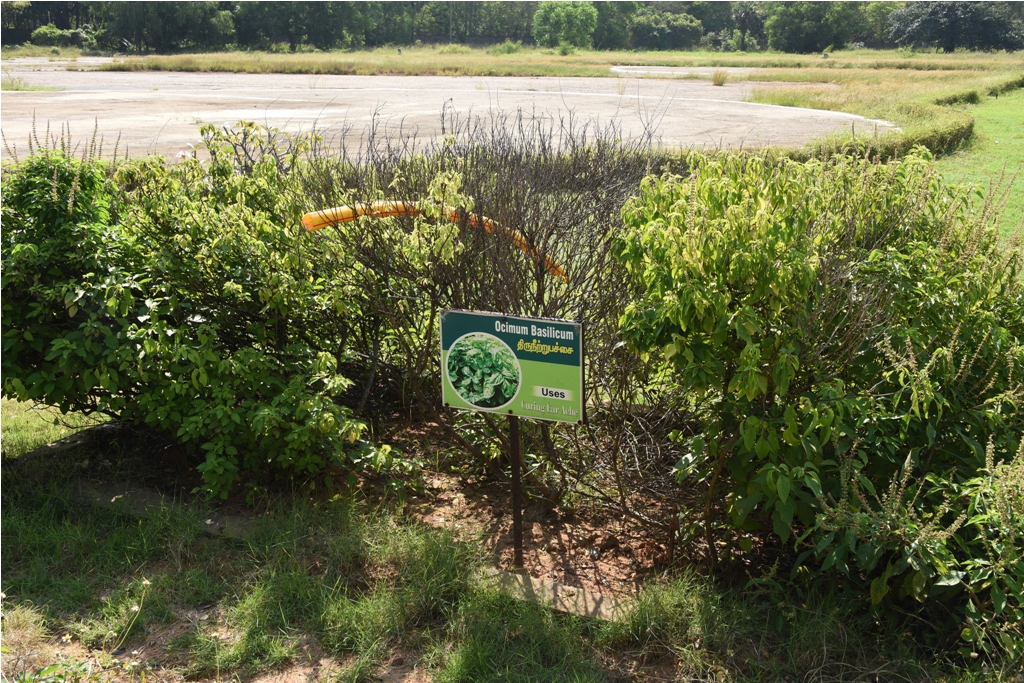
(995,155)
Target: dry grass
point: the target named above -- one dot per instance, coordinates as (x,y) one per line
(719,77)
(464,61)
(24,639)
(897,95)
(27,50)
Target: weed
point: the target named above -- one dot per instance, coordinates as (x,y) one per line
(434,570)
(664,619)
(64,671)
(719,77)
(455,49)
(362,624)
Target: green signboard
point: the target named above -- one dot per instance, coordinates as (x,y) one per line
(530,367)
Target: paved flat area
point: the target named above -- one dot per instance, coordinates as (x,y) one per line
(160,112)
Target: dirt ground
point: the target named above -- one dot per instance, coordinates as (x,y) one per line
(158,112)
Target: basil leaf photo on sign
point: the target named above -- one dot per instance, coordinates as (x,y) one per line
(483,370)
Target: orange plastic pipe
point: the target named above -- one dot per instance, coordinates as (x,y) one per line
(343,214)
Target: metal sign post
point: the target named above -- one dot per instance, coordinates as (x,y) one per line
(516,444)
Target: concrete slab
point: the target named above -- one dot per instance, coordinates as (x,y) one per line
(160,112)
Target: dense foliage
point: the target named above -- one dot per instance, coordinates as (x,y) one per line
(569,23)
(828,352)
(180,315)
(850,336)
(726,26)
(652,29)
(952,25)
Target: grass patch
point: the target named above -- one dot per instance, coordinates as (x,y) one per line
(24,638)
(29,50)
(361,582)
(17,84)
(499,638)
(995,154)
(27,426)
(529,61)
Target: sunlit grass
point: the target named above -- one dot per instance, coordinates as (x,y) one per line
(995,154)
(528,61)
(29,50)
(27,426)
(14,83)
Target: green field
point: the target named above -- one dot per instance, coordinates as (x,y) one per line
(995,156)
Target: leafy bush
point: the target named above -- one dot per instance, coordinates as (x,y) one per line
(506,48)
(190,316)
(838,326)
(652,29)
(571,23)
(51,35)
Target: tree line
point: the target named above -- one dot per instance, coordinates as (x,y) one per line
(801,27)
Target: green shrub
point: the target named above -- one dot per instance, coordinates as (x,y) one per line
(51,35)
(187,315)
(652,29)
(841,328)
(569,23)
(506,48)
(965,97)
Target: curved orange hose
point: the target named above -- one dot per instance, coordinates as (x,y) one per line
(386,209)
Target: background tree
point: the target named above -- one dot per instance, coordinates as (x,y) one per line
(652,29)
(612,32)
(875,25)
(564,22)
(163,26)
(949,25)
(749,17)
(715,17)
(806,27)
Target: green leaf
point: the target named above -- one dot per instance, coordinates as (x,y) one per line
(866,484)
(998,599)
(782,486)
(879,589)
(950,579)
